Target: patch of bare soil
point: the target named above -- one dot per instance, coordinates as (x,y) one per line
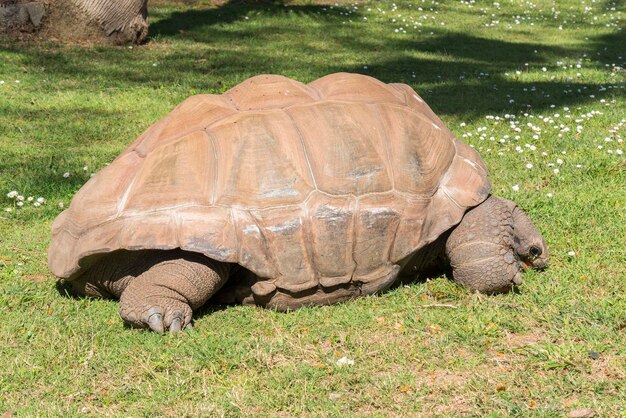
(514,341)
(63,23)
(36,278)
(606,368)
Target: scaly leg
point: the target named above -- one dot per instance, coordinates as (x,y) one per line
(157,289)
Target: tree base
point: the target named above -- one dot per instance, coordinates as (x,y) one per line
(66,21)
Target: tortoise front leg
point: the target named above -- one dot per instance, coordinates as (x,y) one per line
(164,296)
(480,248)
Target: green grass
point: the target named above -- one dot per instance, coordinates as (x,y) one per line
(556,346)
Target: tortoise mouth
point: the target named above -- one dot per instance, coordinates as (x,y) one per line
(537,264)
(526,265)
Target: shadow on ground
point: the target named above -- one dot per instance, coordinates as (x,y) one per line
(197,48)
(456,72)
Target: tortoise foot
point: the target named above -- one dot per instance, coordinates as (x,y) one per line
(164,296)
(162,315)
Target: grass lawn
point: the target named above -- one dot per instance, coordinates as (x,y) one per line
(538,87)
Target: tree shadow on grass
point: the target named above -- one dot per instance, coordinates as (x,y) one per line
(196,23)
(458,74)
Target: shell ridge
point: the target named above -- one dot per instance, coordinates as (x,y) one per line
(233,221)
(395,232)
(355,216)
(401,90)
(304,150)
(232,100)
(444,178)
(308,236)
(177,221)
(122,203)
(238,231)
(215,169)
(144,136)
(270,254)
(449,196)
(381,126)
(438,156)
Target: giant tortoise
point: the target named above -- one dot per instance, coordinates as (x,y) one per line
(283,194)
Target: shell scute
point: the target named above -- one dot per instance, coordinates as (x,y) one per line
(177,173)
(270,92)
(377,220)
(208,230)
(254,251)
(195,113)
(103,194)
(286,235)
(356,88)
(332,237)
(417,164)
(345,147)
(260,165)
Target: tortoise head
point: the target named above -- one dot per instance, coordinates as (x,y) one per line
(492,245)
(528,243)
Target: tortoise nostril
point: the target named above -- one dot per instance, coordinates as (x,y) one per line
(534,251)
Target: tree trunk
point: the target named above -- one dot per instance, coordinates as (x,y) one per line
(125,20)
(118,21)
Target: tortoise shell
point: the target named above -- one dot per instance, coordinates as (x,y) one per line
(333,182)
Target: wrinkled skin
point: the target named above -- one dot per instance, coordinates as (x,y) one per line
(492,245)
(159,290)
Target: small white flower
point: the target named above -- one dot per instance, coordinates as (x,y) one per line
(20,203)
(571,253)
(344,361)
(556,171)
(30,198)
(85,168)
(529,166)
(40,200)
(549,195)
(60,205)
(619,151)
(66,175)
(544,69)
(36,204)
(19,198)
(559,161)
(515,188)
(9,210)
(12,194)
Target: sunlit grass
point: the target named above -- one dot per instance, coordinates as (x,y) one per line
(430,348)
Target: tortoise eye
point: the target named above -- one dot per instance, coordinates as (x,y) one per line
(534,251)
